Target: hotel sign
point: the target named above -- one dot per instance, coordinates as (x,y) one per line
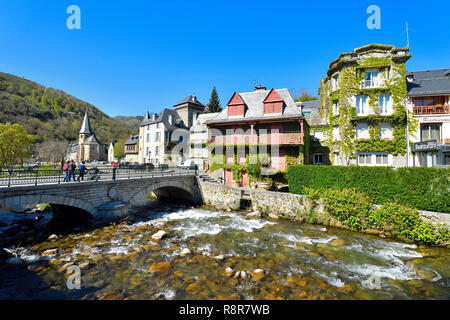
(434,119)
(425,146)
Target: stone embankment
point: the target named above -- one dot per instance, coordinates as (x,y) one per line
(279,204)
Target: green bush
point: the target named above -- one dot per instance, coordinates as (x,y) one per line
(356,210)
(421,188)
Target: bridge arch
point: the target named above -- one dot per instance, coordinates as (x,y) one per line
(19,201)
(179,185)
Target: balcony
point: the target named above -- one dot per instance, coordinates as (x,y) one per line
(432,109)
(275,138)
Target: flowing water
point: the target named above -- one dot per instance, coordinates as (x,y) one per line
(300,261)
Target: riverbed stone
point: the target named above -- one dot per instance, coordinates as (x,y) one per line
(50,252)
(229,272)
(337,242)
(160,268)
(193,287)
(253,215)
(159,235)
(185,252)
(113,296)
(273,216)
(258,274)
(425,274)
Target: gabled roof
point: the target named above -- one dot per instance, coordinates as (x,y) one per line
(132,140)
(163,116)
(86,125)
(255,107)
(429,83)
(190,99)
(91,140)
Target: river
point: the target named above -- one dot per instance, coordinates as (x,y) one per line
(298,261)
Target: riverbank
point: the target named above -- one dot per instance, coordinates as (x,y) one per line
(205,253)
(313,209)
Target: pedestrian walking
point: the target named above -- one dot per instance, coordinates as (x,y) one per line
(82,169)
(66,172)
(73,168)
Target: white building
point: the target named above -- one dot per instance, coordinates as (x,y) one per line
(198,140)
(429,102)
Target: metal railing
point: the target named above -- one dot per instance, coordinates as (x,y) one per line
(17,177)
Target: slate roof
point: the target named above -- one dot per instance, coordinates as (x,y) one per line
(429,83)
(86,125)
(163,117)
(255,107)
(199,125)
(311,112)
(190,99)
(91,140)
(132,140)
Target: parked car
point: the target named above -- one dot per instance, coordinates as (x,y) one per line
(188,164)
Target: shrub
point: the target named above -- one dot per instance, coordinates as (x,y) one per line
(421,188)
(356,210)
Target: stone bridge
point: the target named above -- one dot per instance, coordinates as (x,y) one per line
(102,199)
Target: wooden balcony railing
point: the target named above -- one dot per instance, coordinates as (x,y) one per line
(276,138)
(435,109)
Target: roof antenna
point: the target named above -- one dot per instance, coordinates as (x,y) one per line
(407,34)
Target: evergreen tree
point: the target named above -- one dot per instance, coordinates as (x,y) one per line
(214,103)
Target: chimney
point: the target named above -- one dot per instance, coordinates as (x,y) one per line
(194,98)
(260,88)
(171,119)
(154,117)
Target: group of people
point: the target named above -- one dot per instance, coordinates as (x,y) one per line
(70,168)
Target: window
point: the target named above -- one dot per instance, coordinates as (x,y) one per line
(386,130)
(371,79)
(335,82)
(318,135)
(157,136)
(190,118)
(148,151)
(148,137)
(384,103)
(365,159)
(336,108)
(158,125)
(362,130)
(336,133)
(361,105)
(318,158)
(337,161)
(381,159)
(430,131)
(157,151)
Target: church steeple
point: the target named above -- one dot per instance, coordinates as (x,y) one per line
(86,126)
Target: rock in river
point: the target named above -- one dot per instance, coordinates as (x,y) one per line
(253,215)
(229,272)
(425,274)
(185,252)
(273,216)
(160,268)
(159,235)
(258,274)
(337,242)
(50,252)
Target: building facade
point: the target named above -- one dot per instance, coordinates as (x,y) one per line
(131,149)
(88,147)
(362,99)
(199,140)
(266,123)
(162,134)
(429,103)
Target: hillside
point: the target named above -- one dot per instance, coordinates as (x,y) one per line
(131,122)
(50,114)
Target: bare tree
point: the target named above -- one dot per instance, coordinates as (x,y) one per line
(52,151)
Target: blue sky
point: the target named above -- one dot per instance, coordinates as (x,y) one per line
(130,56)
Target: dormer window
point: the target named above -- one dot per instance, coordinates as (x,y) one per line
(273,103)
(335,82)
(236,106)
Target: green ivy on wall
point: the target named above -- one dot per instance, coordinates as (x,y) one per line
(350,77)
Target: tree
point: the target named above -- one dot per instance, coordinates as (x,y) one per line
(214,102)
(15,144)
(303,96)
(52,151)
(119,151)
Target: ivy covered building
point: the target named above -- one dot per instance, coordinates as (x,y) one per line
(362,100)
